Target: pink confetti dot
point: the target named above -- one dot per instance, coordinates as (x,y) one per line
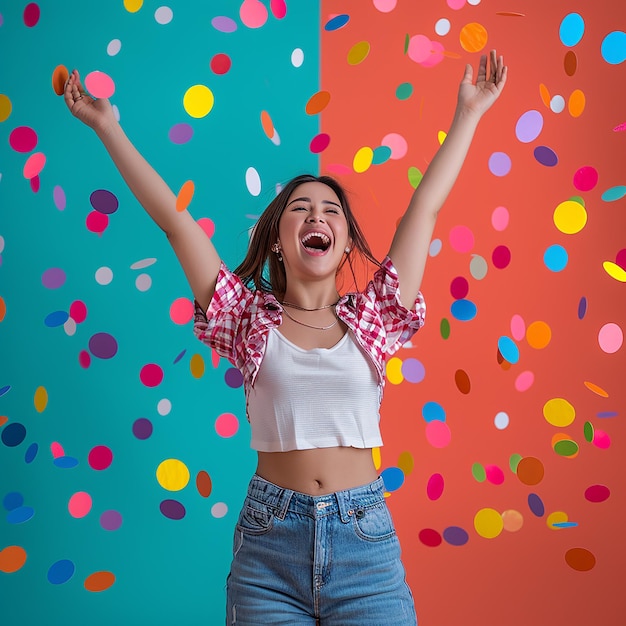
(79,504)
(524,381)
(58,195)
(181,311)
(84,359)
(278,8)
(518,327)
(500,218)
(397,144)
(57,450)
(32,13)
(461,239)
(253,13)
(100,457)
(455,5)
(435,56)
(207,226)
(601,439)
(438,434)
(620,259)
(226,425)
(434,488)
(35,183)
(495,475)
(419,48)
(97,222)
(23,139)
(151,375)
(586,178)
(319,143)
(99,84)
(78,311)
(34,164)
(385,6)
(610,338)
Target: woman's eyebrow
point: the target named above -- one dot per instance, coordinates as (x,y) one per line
(305,199)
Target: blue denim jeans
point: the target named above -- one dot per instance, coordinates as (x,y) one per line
(332,560)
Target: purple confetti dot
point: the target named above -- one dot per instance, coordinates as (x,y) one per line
(172,509)
(546,156)
(582,308)
(104,201)
(529,126)
(58,195)
(60,572)
(103,346)
(233,377)
(56,318)
(20,515)
(13,434)
(53,278)
(180,356)
(12,500)
(142,428)
(413,370)
(110,520)
(499,164)
(31,453)
(535,504)
(180,133)
(455,536)
(224,24)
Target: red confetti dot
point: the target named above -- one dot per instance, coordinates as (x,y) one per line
(319,143)
(430,537)
(23,139)
(151,375)
(459,288)
(100,457)
(501,257)
(220,63)
(597,493)
(31,14)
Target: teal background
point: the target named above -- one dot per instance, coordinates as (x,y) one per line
(167,572)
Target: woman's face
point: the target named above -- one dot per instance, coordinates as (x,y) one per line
(313,231)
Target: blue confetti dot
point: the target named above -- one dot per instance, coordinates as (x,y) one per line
(337,22)
(381,155)
(614,193)
(455,536)
(463,310)
(572,29)
(508,349)
(31,453)
(20,515)
(535,504)
(614,47)
(4,390)
(393,477)
(565,524)
(555,258)
(13,434)
(12,500)
(57,318)
(65,462)
(61,571)
(433,412)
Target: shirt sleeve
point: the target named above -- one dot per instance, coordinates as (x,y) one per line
(400,323)
(222,325)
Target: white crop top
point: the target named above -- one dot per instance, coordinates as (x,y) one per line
(316,398)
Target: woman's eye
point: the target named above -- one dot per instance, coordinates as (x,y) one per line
(335,211)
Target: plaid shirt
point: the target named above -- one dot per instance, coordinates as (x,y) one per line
(238,320)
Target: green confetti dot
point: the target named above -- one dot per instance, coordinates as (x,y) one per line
(404,91)
(415,177)
(444,328)
(588,430)
(407,39)
(566,447)
(479,473)
(514,462)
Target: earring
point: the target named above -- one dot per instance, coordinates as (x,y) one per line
(347,250)
(277,250)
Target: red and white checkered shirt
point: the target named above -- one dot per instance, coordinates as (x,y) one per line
(238,320)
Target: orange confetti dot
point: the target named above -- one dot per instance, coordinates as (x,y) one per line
(538,335)
(12,558)
(473,37)
(580,559)
(3,308)
(530,470)
(184,196)
(545,94)
(59,76)
(596,389)
(99,581)
(3,420)
(317,102)
(462,380)
(267,124)
(576,103)
(204,484)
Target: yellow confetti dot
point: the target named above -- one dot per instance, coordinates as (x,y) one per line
(570,217)
(559,412)
(5,107)
(172,475)
(473,37)
(512,520)
(198,101)
(358,53)
(363,159)
(376,457)
(538,335)
(558,517)
(488,523)
(41,399)
(576,103)
(132,6)
(394,371)
(596,389)
(196,366)
(441,136)
(406,462)
(614,271)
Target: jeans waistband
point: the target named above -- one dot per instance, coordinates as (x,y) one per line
(345,503)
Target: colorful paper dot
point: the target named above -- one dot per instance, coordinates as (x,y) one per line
(198,101)
(151,375)
(488,523)
(163,15)
(535,504)
(429,537)
(358,53)
(253,181)
(79,504)
(571,29)
(576,104)
(529,126)
(610,338)
(546,156)
(473,37)
(224,24)
(13,434)
(111,520)
(597,493)
(435,486)
(438,434)
(204,484)
(172,474)
(220,64)
(455,536)
(555,258)
(499,164)
(580,559)
(100,457)
(433,411)
(60,572)
(393,477)
(23,139)
(530,470)
(226,425)
(142,428)
(12,559)
(99,84)
(613,47)
(103,345)
(99,581)
(512,520)
(336,22)
(31,14)
(104,201)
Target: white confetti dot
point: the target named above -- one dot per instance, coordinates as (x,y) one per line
(143,282)
(163,15)
(164,407)
(69,327)
(219,509)
(478,267)
(253,181)
(442,27)
(473,2)
(276,138)
(297,57)
(104,275)
(557,103)
(1,243)
(116,112)
(115,45)
(139,265)
(435,247)
(501,420)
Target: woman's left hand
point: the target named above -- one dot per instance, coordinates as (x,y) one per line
(478,97)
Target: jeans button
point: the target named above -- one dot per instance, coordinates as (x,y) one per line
(350,512)
(360,513)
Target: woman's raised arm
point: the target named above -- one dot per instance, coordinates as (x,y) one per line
(409,248)
(196,254)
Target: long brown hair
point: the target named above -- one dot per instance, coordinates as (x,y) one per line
(261,268)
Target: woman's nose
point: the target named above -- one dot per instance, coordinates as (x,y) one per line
(314,217)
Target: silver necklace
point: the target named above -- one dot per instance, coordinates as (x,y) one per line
(293,319)
(301,308)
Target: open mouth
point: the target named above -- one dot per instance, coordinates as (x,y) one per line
(315,243)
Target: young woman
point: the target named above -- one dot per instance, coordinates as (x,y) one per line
(314,543)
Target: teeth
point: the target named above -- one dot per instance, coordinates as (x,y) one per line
(322,236)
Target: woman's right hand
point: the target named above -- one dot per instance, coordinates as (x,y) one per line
(96,113)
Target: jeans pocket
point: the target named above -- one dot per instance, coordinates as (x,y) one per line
(256,518)
(373,523)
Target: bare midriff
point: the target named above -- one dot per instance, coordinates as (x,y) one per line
(318,471)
